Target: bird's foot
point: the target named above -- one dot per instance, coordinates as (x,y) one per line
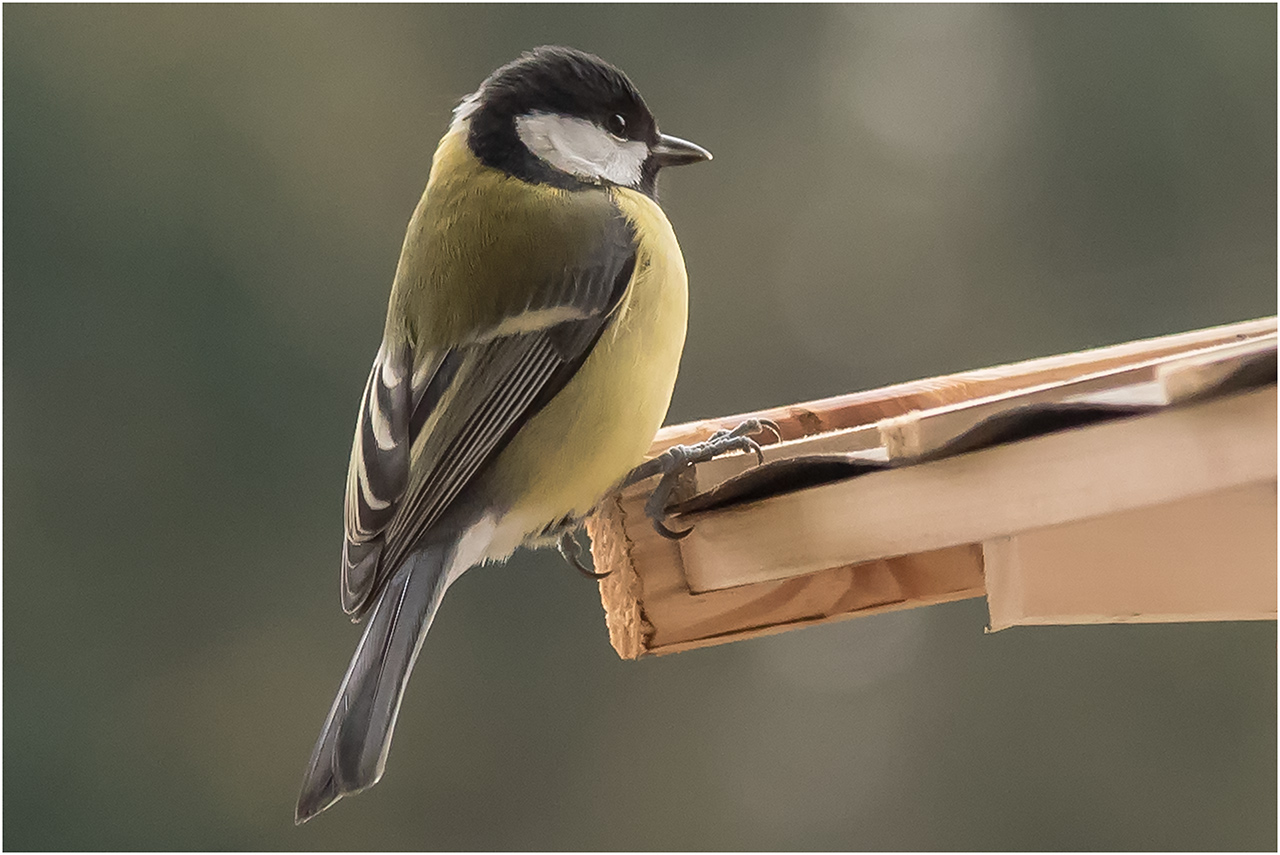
(678,459)
(571,551)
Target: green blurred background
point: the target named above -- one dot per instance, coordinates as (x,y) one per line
(203,209)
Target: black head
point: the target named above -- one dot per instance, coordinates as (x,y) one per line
(566,118)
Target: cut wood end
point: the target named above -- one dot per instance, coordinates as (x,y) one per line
(900,436)
(620,591)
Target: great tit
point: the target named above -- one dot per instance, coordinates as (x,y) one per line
(532,340)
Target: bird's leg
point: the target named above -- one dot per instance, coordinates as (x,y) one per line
(571,551)
(678,459)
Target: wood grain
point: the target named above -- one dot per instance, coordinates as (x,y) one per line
(1049,480)
(919,433)
(1208,557)
(1174,376)
(664,597)
(649,608)
(864,408)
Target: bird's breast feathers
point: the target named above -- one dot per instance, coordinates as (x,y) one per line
(501,240)
(600,426)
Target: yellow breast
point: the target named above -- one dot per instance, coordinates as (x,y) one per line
(601,424)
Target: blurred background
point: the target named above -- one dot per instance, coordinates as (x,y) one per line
(203,209)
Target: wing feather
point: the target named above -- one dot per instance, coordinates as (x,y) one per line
(430,421)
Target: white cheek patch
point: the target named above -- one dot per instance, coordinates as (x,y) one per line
(582,148)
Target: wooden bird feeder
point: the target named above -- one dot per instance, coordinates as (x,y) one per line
(1132,483)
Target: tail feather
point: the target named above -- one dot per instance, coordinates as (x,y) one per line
(352,750)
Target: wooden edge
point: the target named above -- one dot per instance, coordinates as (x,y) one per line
(863,408)
(683,619)
(774,629)
(1150,617)
(921,432)
(659,614)
(1207,557)
(1155,382)
(1189,378)
(620,591)
(666,617)
(1048,480)
(918,432)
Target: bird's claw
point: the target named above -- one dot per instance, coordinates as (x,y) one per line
(571,551)
(678,459)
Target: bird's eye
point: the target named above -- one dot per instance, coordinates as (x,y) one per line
(617,126)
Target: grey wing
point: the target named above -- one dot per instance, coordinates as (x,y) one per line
(462,405)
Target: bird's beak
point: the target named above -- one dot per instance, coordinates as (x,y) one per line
(673,151)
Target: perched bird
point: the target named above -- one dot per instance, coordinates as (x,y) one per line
(531,345)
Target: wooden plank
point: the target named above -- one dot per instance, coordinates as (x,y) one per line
(918,432)
(657,613)
(1209,557)
(651,607)
(1049,480)
(907,582)
(864,408)
(1193,376)
(682,617)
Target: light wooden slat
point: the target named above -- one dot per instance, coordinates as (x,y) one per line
(918,432)
(1209,557)
(864,408)
(1183,379)
(1049,480)
(697,620)
(656,613)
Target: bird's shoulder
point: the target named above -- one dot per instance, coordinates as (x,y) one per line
(484,247)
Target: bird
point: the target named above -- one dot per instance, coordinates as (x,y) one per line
(533,335)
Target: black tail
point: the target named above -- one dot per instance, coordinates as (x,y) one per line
(352,750)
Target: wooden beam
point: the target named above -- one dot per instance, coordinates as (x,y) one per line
(1107,468)
(1174,376)
(657,613)
(1144,383)
(916,534)
(864,408)
(1207,557)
